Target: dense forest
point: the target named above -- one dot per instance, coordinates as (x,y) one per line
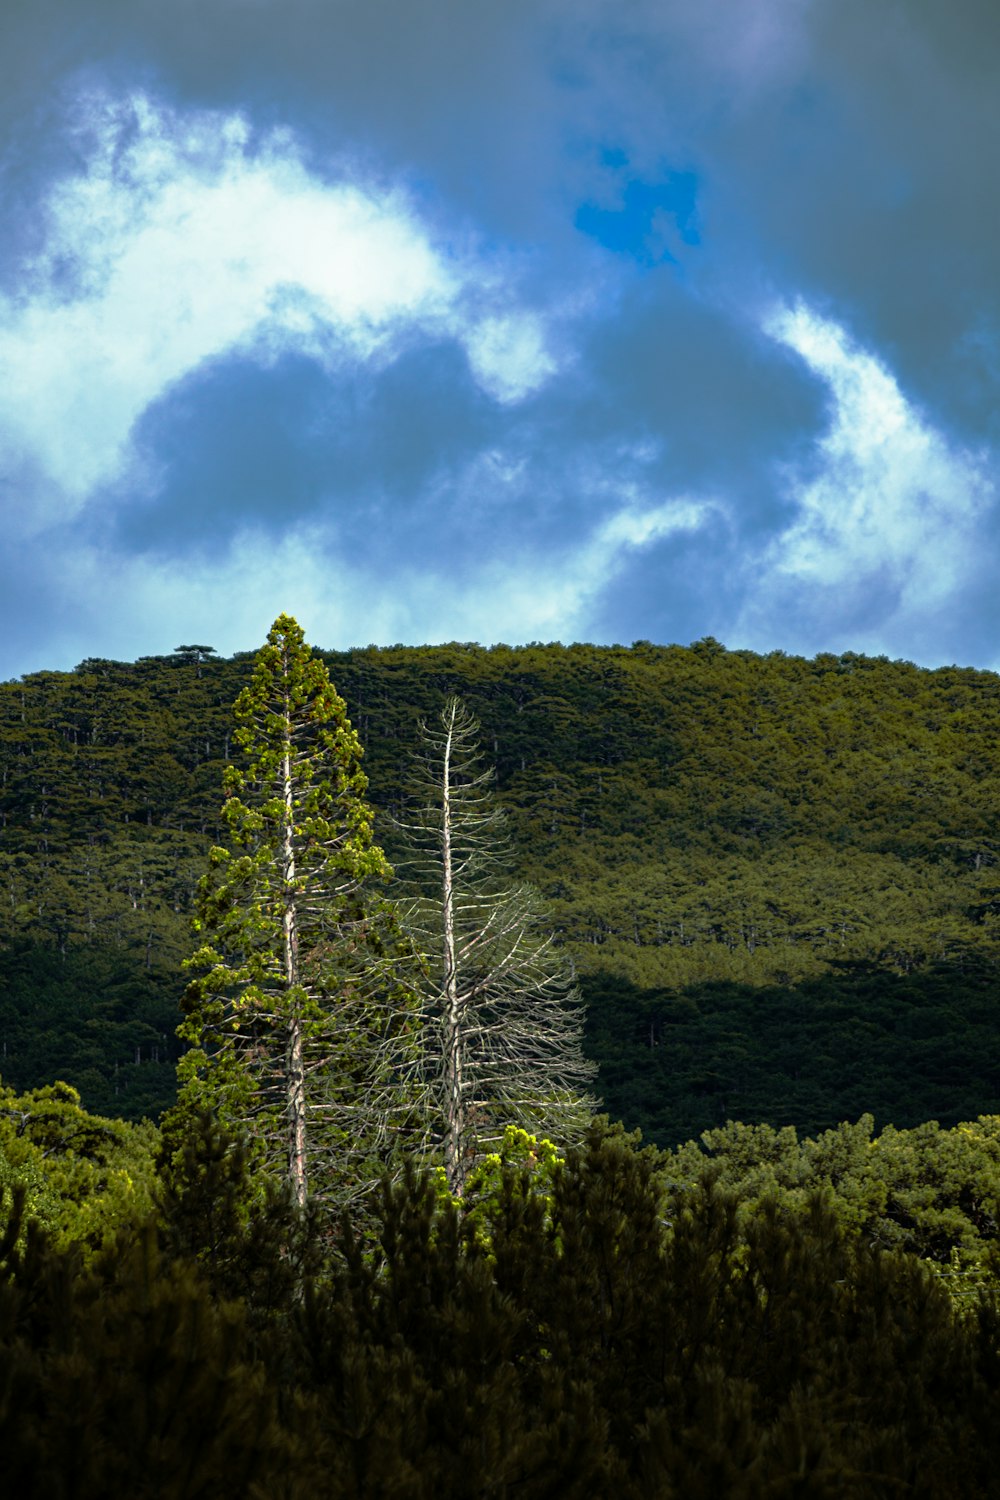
(776,878)
(614,1323)
(775,882)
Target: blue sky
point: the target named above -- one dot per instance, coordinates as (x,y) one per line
(502,322)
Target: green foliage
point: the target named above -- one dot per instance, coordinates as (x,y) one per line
(932,1192)
(691,816)
(615,1331)
(127,1380)
(904,1046)
(522,1161)
(599,1348)
(250,1241)
(84,1179)
(297,1018)
(93,1015)
(777,880)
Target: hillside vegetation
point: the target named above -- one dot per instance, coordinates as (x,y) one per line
(776,877)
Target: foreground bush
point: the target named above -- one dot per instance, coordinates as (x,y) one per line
(562,1337)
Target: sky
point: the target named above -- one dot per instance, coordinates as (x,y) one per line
(499,320)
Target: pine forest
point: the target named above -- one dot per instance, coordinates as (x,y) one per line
(515,1071)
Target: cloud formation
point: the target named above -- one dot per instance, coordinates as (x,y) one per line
(185,240)
(886,524)
(500,322)
(529,598)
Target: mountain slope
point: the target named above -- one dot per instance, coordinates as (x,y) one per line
(691,815)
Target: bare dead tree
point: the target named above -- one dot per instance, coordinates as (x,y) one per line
(503,1020)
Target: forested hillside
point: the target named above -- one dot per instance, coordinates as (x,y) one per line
(776,877)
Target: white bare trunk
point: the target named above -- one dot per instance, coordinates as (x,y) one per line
(454,1104)
(509,1021)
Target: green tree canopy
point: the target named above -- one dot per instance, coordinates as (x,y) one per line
(298,1015)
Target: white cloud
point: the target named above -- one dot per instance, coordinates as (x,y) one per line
(508,356)
(532,599)
(182,241)
(892,507)
(125,606)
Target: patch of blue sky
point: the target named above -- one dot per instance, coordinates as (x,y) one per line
(654,218)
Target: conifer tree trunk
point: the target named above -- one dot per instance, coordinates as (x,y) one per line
(295,1078)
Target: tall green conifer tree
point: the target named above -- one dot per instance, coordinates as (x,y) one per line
(300,1014)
